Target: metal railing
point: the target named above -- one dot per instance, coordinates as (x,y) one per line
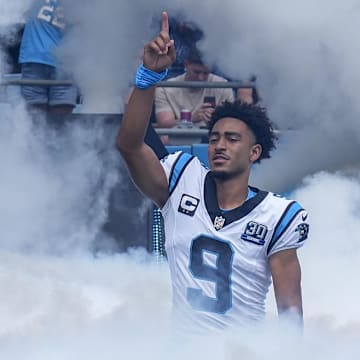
(170,84)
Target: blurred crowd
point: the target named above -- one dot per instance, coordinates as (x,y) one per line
(33,54)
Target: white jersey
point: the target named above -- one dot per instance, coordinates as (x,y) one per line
(219,260)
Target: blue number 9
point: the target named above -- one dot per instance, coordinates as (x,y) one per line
(220,274)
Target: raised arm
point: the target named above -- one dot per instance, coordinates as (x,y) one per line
(144,166)
(286,274)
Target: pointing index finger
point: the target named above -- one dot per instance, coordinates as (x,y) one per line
(165,22)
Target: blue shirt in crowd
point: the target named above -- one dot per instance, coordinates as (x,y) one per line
(43,33)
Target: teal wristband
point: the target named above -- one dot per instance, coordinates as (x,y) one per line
(146,78)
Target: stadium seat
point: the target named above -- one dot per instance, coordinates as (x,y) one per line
(201,151)
(173,148)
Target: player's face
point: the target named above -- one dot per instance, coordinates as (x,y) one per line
(232,148)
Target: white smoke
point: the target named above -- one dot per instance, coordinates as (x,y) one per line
(306,74)
(304,65)
(13,11)
(60,301)
(11,19)
(108,38)
(55,183)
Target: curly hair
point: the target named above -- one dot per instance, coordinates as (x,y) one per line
(254,117)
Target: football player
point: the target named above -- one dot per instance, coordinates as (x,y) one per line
(225,240)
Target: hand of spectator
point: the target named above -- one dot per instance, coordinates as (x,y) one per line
(159,53)
(245,95)
(203,113)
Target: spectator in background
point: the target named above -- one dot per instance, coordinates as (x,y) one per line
(185,35)
(170,101)
(42,35)
(249,95)
(245,95)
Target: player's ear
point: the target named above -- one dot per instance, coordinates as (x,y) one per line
(255,152)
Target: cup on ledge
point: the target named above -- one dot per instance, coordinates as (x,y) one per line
(185,118)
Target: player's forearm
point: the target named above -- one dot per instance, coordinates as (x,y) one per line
(135,119)
(292,315)
(289,301)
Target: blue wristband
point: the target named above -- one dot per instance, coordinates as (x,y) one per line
(146,78)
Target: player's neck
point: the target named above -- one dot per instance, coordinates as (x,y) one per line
(231,193)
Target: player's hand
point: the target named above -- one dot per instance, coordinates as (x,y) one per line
(159,53)
(203,113)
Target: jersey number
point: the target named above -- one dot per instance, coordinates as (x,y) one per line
(52,15)
(219,274)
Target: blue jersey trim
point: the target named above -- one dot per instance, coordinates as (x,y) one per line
(251,194)
(286,219)
(180,165)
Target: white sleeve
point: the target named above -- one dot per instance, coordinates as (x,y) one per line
(169,161)
(291,231)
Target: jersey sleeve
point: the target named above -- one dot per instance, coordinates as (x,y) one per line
(174,165)
(291,231)
(168,162)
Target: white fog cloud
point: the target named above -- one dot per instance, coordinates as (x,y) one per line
(60,301)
